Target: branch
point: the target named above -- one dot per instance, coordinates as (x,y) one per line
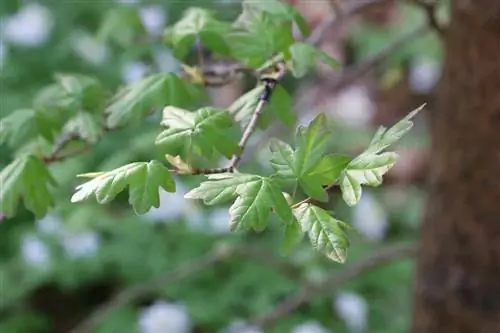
(131,294)
(181,273)
(270,84)
(62,143)
(378,258)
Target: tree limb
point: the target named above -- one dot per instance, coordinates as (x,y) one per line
(382,256)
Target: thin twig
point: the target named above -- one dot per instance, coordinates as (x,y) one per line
(430,9)
(380,257)
(250,128)
(62,143)
(129,295)
(191,268)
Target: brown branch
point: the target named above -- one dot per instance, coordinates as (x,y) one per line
(308,292)
(134,292)
(62,143)
(250,128)
(129,295)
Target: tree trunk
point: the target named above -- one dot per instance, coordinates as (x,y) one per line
(458,276)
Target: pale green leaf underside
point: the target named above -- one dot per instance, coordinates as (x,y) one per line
(324,231)
(142,178)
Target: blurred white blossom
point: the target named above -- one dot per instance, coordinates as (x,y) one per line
(353,106)
(310,327)
(163,317)
(424,74)
(50,224)
(353,309)
(153,18)
(370,218)
(34,251)
(134,71)
(239,326)
(29,27)
(84,244)
(89,48)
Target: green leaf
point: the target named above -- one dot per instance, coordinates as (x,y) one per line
(256,197)
(205,130)
(292,237)
(302,57)
(367,169)
(136,100)
(281,105)
(279,11)
(385,137)
(25,124)
(142,178)
(87,92)
(243,108)
(197,23)
(220,188)
(28,179)
(307,164)
(325,232)
(86,126)
(121,25)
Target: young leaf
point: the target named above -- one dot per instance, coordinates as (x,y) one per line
(28,179)
(25,124)
(197,23)
(282,106)
(325,232)
(308,164)
(142,178)
(385,137)
(302,57)
(220,188)
(87,92)
(367,169)
(371,165)
(134,101)
(86,125)
(256,197)
(205,130)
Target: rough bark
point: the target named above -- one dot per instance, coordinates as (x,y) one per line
(457,286)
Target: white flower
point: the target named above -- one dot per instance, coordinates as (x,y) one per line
(88,48)
(50,224)
(153,19)
(29,27)
(239,326)
(370,218)
(34,251)
(424,74)
(163,317)
(310,327)
(134,71)
(353,309)
(79,245)
(353,106)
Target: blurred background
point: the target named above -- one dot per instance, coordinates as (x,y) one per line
(56,271)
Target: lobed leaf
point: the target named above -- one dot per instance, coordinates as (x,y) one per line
(136,100)
(325,232)
(205,130)
(143,180)
(302,57)
(26,178)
